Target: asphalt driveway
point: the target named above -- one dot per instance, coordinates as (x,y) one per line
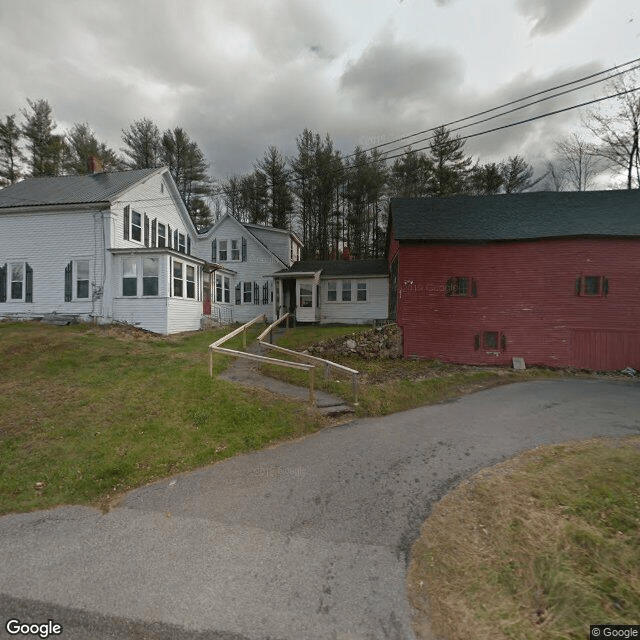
(308,539)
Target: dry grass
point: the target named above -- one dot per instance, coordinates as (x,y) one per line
(538,547)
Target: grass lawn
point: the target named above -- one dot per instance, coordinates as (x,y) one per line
(538,547)
(387,386)
(88,412)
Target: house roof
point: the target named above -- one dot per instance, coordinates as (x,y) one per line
(61,190)
(337,268)
(523,216)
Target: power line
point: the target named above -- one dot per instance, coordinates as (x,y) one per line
(508,104)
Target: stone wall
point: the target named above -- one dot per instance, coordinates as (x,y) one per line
(380,342)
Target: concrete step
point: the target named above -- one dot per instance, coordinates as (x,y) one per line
(335,410)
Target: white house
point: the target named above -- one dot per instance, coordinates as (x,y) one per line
(121,247)
(334,291)
(242,257)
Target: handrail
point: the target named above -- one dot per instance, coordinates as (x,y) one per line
(215,346)
(321,361)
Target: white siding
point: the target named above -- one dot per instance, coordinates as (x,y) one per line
(276,240)
(154,198)
(146,313)
(376,306)
(48,241)
(257,268)
(183,315)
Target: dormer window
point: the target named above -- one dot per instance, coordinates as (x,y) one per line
(136,226)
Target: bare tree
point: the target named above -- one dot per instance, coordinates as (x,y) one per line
(618,133)
(578,164)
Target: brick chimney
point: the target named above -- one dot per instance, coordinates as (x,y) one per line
(94,164)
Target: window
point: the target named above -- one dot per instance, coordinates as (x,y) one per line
(332,291)
(181,243)
(162,235)
(136,226)
(235,250)
(346,291)
(238,294)
(218,288)
(82,279)
(247,293)
(130,277)
(191,282)
(17,281)
(222,250)
(227,293)
(177,279)
(491,340)
(306,295)
(592,286)
(459,287)
(150,273)
(361,295)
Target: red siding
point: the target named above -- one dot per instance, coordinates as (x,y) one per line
(526,291)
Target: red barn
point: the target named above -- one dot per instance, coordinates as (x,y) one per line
(550,277)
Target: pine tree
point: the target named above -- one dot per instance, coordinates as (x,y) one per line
(11,156)
(278,196)
(450,164)
(82,144)
(142,145)
(45,148)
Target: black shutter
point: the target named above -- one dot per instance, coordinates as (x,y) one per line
(244,250)
(265,293)
(476,341)
(449,288)
(239,293)
(146,230)
(256,293)
(474,288)
(3,283)
(188,245)
(28,285)
(503,342)
(68,282)
(578,285)
(154,232)
(169,236)
(175,240)
(214,250)
(605,286)
(126,222)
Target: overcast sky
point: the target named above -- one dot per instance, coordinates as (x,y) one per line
(241,75)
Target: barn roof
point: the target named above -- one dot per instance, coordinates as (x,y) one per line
(337,268)
(522,216)
(61,190)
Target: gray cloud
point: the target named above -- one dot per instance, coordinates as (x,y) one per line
(392,73)
(549,16)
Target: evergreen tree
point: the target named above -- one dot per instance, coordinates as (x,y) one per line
(82,144)
(450,165)
(142,145)
(45,148)
(11,156)
(517,175)
(410,175)
(278,193)
(485,179)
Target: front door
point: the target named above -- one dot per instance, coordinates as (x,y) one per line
(206,294)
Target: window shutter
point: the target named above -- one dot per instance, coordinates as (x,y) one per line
(154,232)
(146,230)
(605,286)
(214,250)
(188,245)
(449,288)
(175,239)
(476,341)
(256,293)
(503,342)
(239,293)
(169,236)
(68,282)
(28,285)
(3,283)
(265,293)
(474,288)
(578,285)
(244,249)
(126,222)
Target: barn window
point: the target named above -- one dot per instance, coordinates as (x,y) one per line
(490,340)
(592,286)
(459,287)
